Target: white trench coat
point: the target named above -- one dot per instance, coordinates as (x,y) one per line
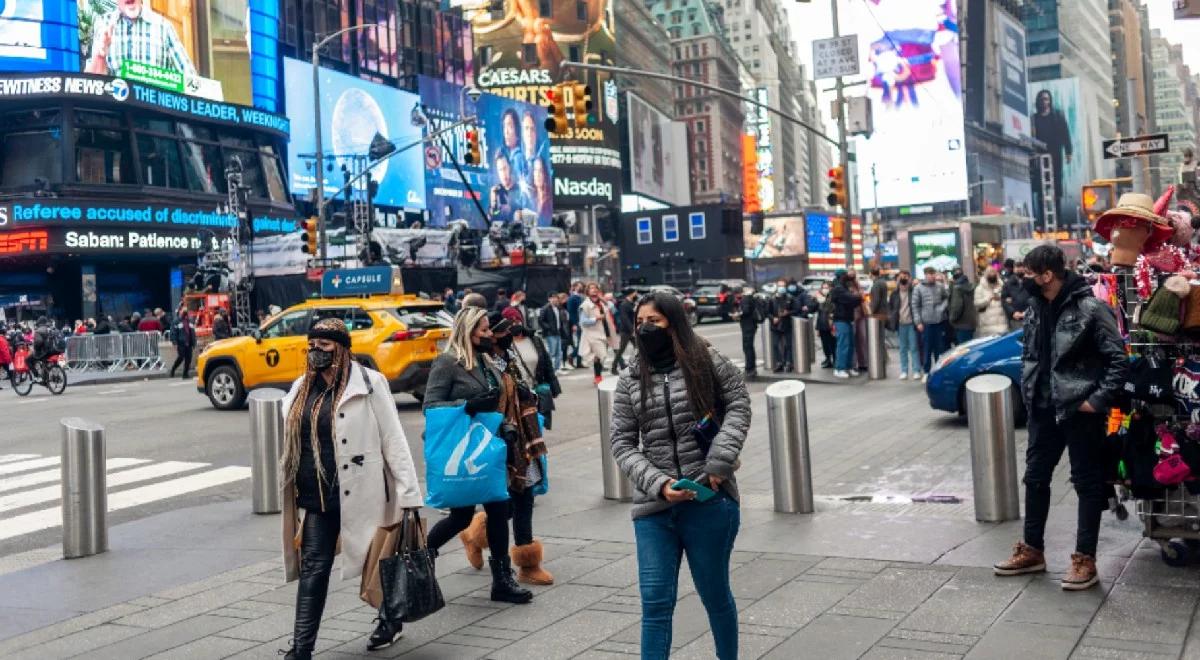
(373,491)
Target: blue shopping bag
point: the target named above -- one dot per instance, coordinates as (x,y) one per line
(465,461)
(542,487)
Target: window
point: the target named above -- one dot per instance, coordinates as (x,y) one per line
(670,228)
(102,150)
(574,54)
(581,11)
(696,225)
(354,317)
(161,165)
(545,8)
(288,325)
(32,147)
(700,126)
(645,233)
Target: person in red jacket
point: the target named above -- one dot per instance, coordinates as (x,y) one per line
(149,324)
(5,353)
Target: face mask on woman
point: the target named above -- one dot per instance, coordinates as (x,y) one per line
(484,345)
(319,360)
(791,288)
(505,342)
(654,341)
(993,278)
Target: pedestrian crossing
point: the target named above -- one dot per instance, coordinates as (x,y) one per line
(31,487)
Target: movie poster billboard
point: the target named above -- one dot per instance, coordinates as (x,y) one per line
(910,50)
(515,181)
(519,53)
(782,236)
(1058,120)
(221,50)
(658,154)
(352,113)
(1010,63)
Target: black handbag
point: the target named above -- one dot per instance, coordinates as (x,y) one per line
(410,588)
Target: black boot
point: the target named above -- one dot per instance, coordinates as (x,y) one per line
(293,654)
(504,586)
(385,634)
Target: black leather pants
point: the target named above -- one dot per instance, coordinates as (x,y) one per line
(318,541)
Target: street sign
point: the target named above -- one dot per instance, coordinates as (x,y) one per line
(356,281)
(1136,146)
(835,57)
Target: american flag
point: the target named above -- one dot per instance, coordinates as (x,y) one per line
(824,253)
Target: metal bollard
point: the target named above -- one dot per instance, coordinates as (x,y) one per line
(993,448)
(84,493)
(876,350)
(266,445)
(791,468)
(616,485)
(768,356)
(803,349)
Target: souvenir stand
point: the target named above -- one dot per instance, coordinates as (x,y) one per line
(1153,447)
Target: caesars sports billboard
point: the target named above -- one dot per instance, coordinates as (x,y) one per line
(221,50)
(520,52)
(516,178)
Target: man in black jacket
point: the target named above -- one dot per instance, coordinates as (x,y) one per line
(1072,368)
(781,328)
(626,323)
(845,303)
(555,328)
(1014,298)
(750,316)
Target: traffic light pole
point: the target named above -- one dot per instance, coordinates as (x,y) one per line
(844,152)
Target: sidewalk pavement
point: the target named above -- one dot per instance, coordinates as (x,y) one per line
(879,579)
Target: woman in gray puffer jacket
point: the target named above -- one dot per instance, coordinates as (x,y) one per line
(681,412)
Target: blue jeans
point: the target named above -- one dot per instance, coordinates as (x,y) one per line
(705,531)
(909,361)
(844,331)
(931,345)
(554,348)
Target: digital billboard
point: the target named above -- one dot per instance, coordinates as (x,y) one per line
(1010,62)
(937,249)
(658,153)
(781,237)
(758,124)
(520,51)
(911,53)
(1058,120)
(222,50)
(352,112)
(515,181)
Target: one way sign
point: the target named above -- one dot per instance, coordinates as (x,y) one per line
(1136,146)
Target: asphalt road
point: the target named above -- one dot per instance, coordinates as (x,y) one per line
(180,452)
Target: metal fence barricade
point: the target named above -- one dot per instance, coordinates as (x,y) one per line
(114,352)
(81,353)
(110,351)
(141,350)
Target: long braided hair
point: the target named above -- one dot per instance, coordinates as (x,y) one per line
(290,461)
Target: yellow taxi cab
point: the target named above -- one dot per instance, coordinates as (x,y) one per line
(397,335)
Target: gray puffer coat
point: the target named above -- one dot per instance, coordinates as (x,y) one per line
(656,445)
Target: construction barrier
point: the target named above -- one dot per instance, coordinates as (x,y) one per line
(126,351)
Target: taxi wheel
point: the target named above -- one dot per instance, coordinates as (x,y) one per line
(224,389)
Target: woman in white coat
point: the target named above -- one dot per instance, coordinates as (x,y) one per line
(988,295)
(346,471)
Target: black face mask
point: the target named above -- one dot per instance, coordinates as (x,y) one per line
(993,278)
(485,344)
(319,360)
(655,342)
(505,343)
(904,281)
(1031,286)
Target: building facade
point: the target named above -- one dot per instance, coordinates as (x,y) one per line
(1133,93)
(1174,105)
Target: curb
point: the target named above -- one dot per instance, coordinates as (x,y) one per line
(122,378)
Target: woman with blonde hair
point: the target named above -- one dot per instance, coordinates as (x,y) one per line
(347,471)
(465,376)
(989,303)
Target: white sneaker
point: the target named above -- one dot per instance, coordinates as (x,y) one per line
(903,375)
(840,374)
(853,373)
(924,378)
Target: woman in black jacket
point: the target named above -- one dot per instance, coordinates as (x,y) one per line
(465,376)
(681,411)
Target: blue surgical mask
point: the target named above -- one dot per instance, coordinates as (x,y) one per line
(791,288)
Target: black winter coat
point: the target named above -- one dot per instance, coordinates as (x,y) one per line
(845,303)
(1014,297)
(1087,360)
(450,384)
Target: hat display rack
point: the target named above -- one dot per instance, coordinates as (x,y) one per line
(1155,272)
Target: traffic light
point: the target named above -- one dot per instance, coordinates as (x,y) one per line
(556,122)
(837,187)
(1097,198)
(310,236)
(581,99)
(472,156)
(837,229)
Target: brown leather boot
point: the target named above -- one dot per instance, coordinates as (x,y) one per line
(1023,560)
(528,559)
(474,539)
(1083,573)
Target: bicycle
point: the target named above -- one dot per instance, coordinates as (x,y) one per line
(47,372)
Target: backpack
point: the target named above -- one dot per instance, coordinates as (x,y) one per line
(760,314)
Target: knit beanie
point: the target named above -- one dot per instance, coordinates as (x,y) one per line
(1162,313)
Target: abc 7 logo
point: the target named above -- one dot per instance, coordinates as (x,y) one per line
(119,89)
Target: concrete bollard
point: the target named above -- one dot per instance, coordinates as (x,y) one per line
(84,489)
(803,345)
(876,350)
(791,468)
(768,356)
(993,448)
(616,485)
(266,446)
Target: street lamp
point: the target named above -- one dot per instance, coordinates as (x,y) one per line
(316,75)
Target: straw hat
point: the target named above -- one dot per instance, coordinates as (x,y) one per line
(1134,209)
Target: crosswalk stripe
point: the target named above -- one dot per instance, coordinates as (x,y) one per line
(125,477)
(48,476)
(125,499)
(21,466)
(8,458)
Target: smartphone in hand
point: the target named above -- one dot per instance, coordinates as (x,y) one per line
(703,493)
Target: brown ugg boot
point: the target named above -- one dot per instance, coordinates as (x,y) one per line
(528,559)
(474,539)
